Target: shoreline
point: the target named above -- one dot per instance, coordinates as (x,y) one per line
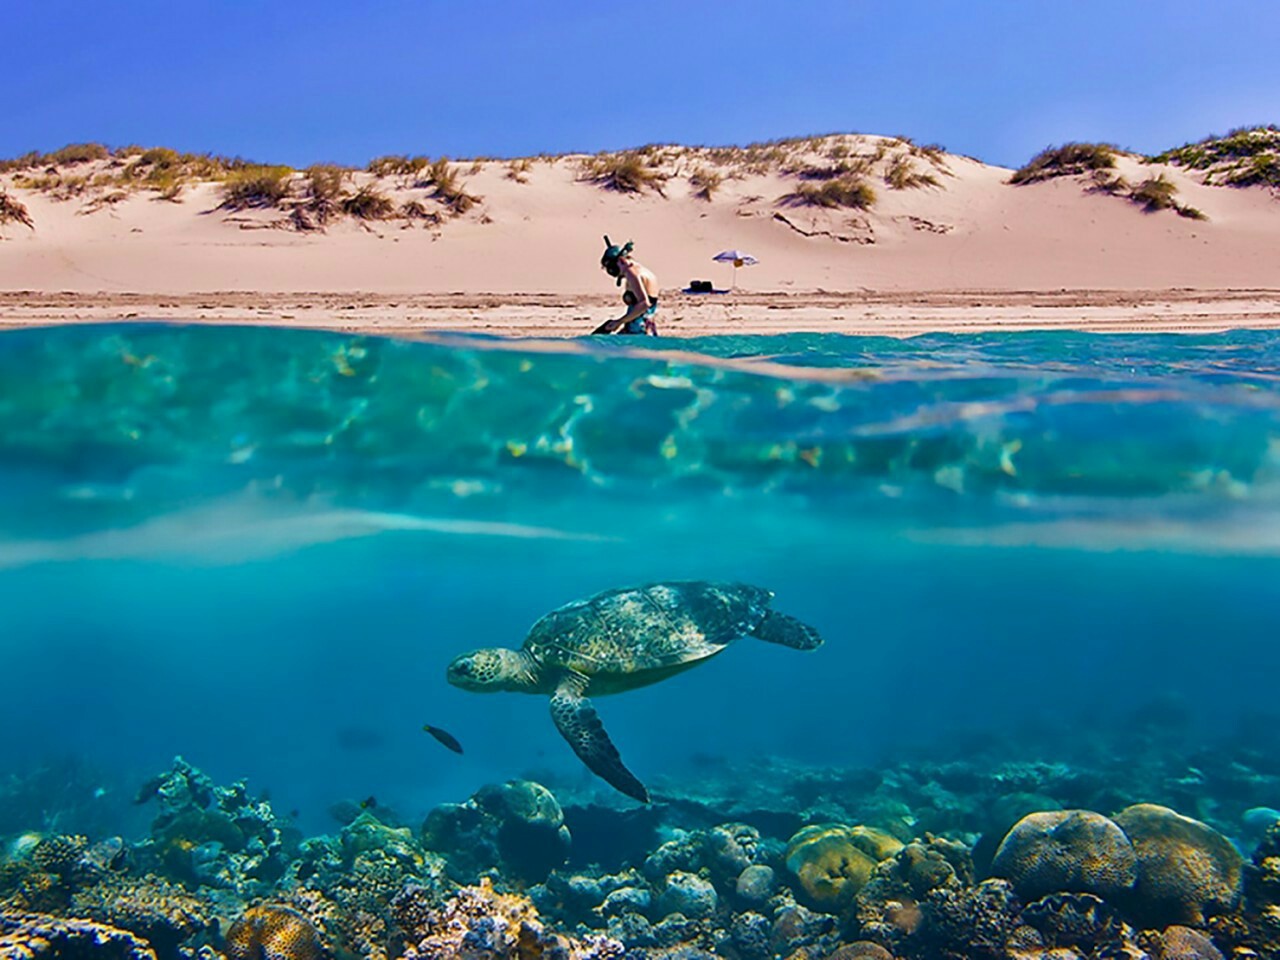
(858,313)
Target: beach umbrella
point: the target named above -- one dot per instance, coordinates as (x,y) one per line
(739,258)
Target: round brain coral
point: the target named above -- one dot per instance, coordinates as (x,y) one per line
(832,861)
(269,932)
(1186,869)
(1066,851)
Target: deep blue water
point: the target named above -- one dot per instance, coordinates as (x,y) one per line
(259,548)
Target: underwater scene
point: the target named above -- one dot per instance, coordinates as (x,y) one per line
(815,647)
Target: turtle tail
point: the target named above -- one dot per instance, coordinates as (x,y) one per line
(787,631)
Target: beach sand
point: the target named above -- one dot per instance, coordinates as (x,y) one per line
(971,253)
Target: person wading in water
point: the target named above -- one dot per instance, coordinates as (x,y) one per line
(640,296)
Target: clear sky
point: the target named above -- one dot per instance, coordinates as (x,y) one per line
(328,81)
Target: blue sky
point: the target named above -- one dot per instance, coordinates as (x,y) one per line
(325,81)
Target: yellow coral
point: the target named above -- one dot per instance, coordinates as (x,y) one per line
(832,861)
(1076,851)
(1186,869)
(270,932)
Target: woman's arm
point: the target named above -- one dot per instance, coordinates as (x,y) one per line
(636,285)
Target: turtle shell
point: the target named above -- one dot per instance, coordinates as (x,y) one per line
(646,632)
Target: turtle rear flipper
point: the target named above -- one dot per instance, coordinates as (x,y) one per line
(577,721)
(787,631)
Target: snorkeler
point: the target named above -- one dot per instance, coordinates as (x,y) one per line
(640,296)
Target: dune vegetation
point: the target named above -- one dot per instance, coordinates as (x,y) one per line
(1068,160)
(1244,157)
(1097,161)
(13,211)
(834,171)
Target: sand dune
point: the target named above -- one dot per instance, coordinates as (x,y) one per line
(972,250)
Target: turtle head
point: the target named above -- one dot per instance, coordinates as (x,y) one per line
(491,670)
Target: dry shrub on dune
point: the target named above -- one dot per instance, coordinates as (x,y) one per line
(368,203)
(398,166)
(705,181)
(902,174)
(74,153)
(167,171)
(855,166)
(325,193)
(13,211)
(416,210)
(1156,193)
(518,170)
(628,172)
(256,186)
(848,191)
(448,187)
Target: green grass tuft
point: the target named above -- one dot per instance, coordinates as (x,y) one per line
(1070,159)
(1244,157)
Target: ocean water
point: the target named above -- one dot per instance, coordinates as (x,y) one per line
(259,549)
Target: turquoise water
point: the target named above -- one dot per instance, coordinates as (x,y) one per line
(259,549)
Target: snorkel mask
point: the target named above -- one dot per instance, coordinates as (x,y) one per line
(612,254)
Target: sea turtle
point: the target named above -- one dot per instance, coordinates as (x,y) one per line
(619,640)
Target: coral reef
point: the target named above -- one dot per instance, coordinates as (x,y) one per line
(32,936)
(1184,943)
(207,835)
(273,932)
(1066,850)
(1148,883)
(517,827)
(1186,869)
(832,861)
(162,912)
(479,923)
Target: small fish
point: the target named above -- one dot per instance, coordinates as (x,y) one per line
(444,736)
(369,803)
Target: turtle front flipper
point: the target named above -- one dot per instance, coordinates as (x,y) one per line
(577,721)
(788,632)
